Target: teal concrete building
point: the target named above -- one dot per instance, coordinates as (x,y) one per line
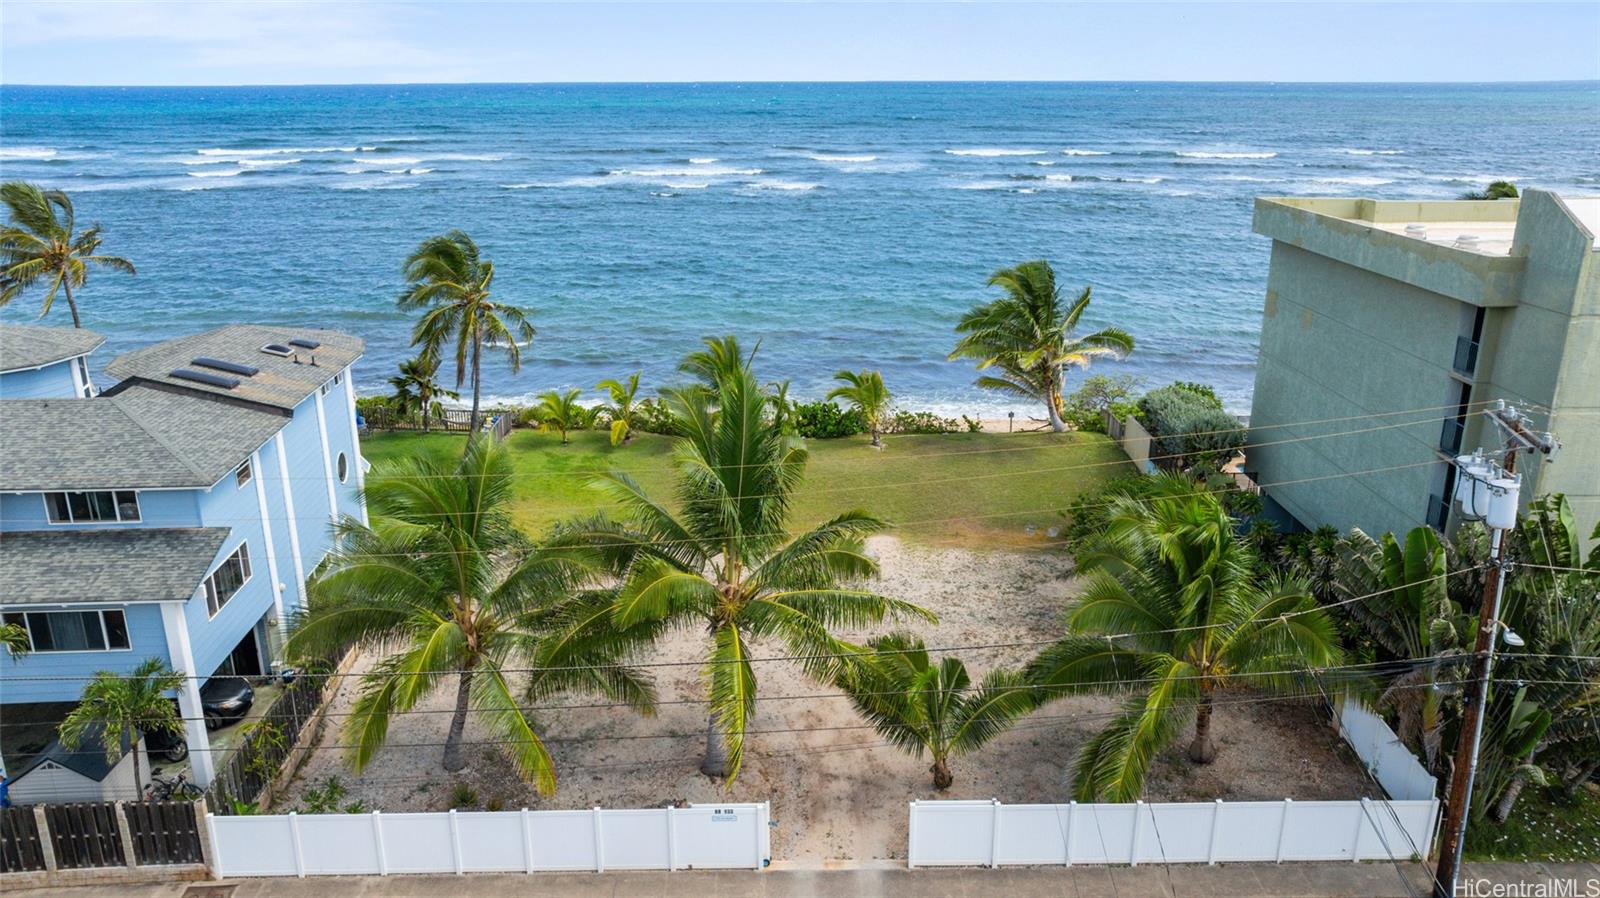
(1388,325)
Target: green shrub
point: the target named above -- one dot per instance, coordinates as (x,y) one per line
(1086,516)
(826,421)
(1086,406)
(1189,426)
(653,416)
(922,422)
(463,796)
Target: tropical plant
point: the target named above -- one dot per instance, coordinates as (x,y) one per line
(928,706)
(865,392)
(443,582)
(561,412)
(783,408)
(1086,407)
(1027,337)
(825,420)
(417,389)
(1173,615)
(1497,190)
(721,358)
(450,281)
(40,244)
(115,709)
(620,411)
(1189,426)
(14,637)
(724,563)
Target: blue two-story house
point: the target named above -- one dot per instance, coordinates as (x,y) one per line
(174,514)
(46,362)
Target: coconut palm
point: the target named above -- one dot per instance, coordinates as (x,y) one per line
(864,391)
(561,412)
(116,708)
(620,410)
(443,582)
(724,564)
(721,358)
(40,244)
(450,280)
(14,637)
(925,706)
(1027,337)
(1173,615)
(417,389)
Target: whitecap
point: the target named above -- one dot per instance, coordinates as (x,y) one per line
(1059,179)
(227,173)
(27,153)
(1199,154)
(774,184)
(1044,162)
(1084,153)
(702,160)
(1352,151)
(825,157)
(387,160)
(458,157)
(681,172)
(258,163)
(984,185)
(1355,181)
(693,186)
(281,151)
(994,151)
(398,171)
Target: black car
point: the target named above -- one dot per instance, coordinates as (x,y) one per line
(222,699)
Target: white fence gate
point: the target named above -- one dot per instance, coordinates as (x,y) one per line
(698,836)
(988,833)
(1386,757)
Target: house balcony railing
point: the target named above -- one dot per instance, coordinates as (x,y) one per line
(1466,361)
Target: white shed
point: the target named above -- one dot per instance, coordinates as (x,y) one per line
(59,774)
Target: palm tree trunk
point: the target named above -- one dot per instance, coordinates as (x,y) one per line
(477,386)
(1572,784)
(941,774)
(1508,799)
(1202,750)
(138,779)
(72,304)
(877,439)
(454,758)
(1052,402)
(426,404)
(716,760)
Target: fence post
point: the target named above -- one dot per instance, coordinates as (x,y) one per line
(761,824)
(215,864)
(1138,823)
(47,845)
(994,833)
(527,842)
(599,844)
(672,838)
(455,842)
(911,839)
(1361,821)
(294,840)
(1283,828)
(125,835)
(1066,850)
(1211,846)
(377,840)
(202,825)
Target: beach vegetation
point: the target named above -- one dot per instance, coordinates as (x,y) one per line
(41,244)
(1025,341)
(1497,190)
(561,413)
(1189,427)
(116,709)
(621,409)
(1085,408)
(449,280)
(417,390)
(865,392)
(826,420)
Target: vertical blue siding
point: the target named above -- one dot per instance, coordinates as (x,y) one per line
(211,638)
(53,381)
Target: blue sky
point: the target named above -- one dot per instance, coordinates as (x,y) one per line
(375,41)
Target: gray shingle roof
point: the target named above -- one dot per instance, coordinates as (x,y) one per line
(280,382)
(40,567)
(143,437)
(34,345)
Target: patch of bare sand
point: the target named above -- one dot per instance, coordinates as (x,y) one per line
(836,791)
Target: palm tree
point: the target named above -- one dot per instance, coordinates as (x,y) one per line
(450,280)
(117,708)
(14,637)
(865,391)
(443,576)
(416,387)
(620,410)
(39,245)
(1171,571)
(1497,190)
(721,358)
(1026,336)
(724,564)
(561,412)
(922,706)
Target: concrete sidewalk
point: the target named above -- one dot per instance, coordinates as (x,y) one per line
(1370,880)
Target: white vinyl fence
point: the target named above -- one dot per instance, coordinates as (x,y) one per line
(1386,757)
(988,833)
(698,836)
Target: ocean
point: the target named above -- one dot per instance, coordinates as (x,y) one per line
(841,225)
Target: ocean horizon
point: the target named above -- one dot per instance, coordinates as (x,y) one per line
(841,224)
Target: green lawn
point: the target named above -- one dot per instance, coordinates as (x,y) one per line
(978,489)
(1541,828)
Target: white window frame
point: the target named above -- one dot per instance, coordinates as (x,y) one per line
(341,467)
(83,372)
(49,516)
(244,474)
(105,634)
(208,587)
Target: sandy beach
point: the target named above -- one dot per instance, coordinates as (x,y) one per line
(836,790)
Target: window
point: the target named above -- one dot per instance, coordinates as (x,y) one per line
(89,508)
(338,379)
(344,468)
(324,389)
(227,578)
(83,375)
(73,631)
(243,474)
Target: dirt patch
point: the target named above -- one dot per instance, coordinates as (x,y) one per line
(836,790)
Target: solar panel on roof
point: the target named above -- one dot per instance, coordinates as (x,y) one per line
(224,365)
(304,343)
(277,349)
(201,377)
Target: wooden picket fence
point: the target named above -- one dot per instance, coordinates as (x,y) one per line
(87,835)
(20,848)
(258,760)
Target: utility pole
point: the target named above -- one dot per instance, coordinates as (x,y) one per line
(1489,491)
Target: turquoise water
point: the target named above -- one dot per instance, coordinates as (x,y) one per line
(843,225)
